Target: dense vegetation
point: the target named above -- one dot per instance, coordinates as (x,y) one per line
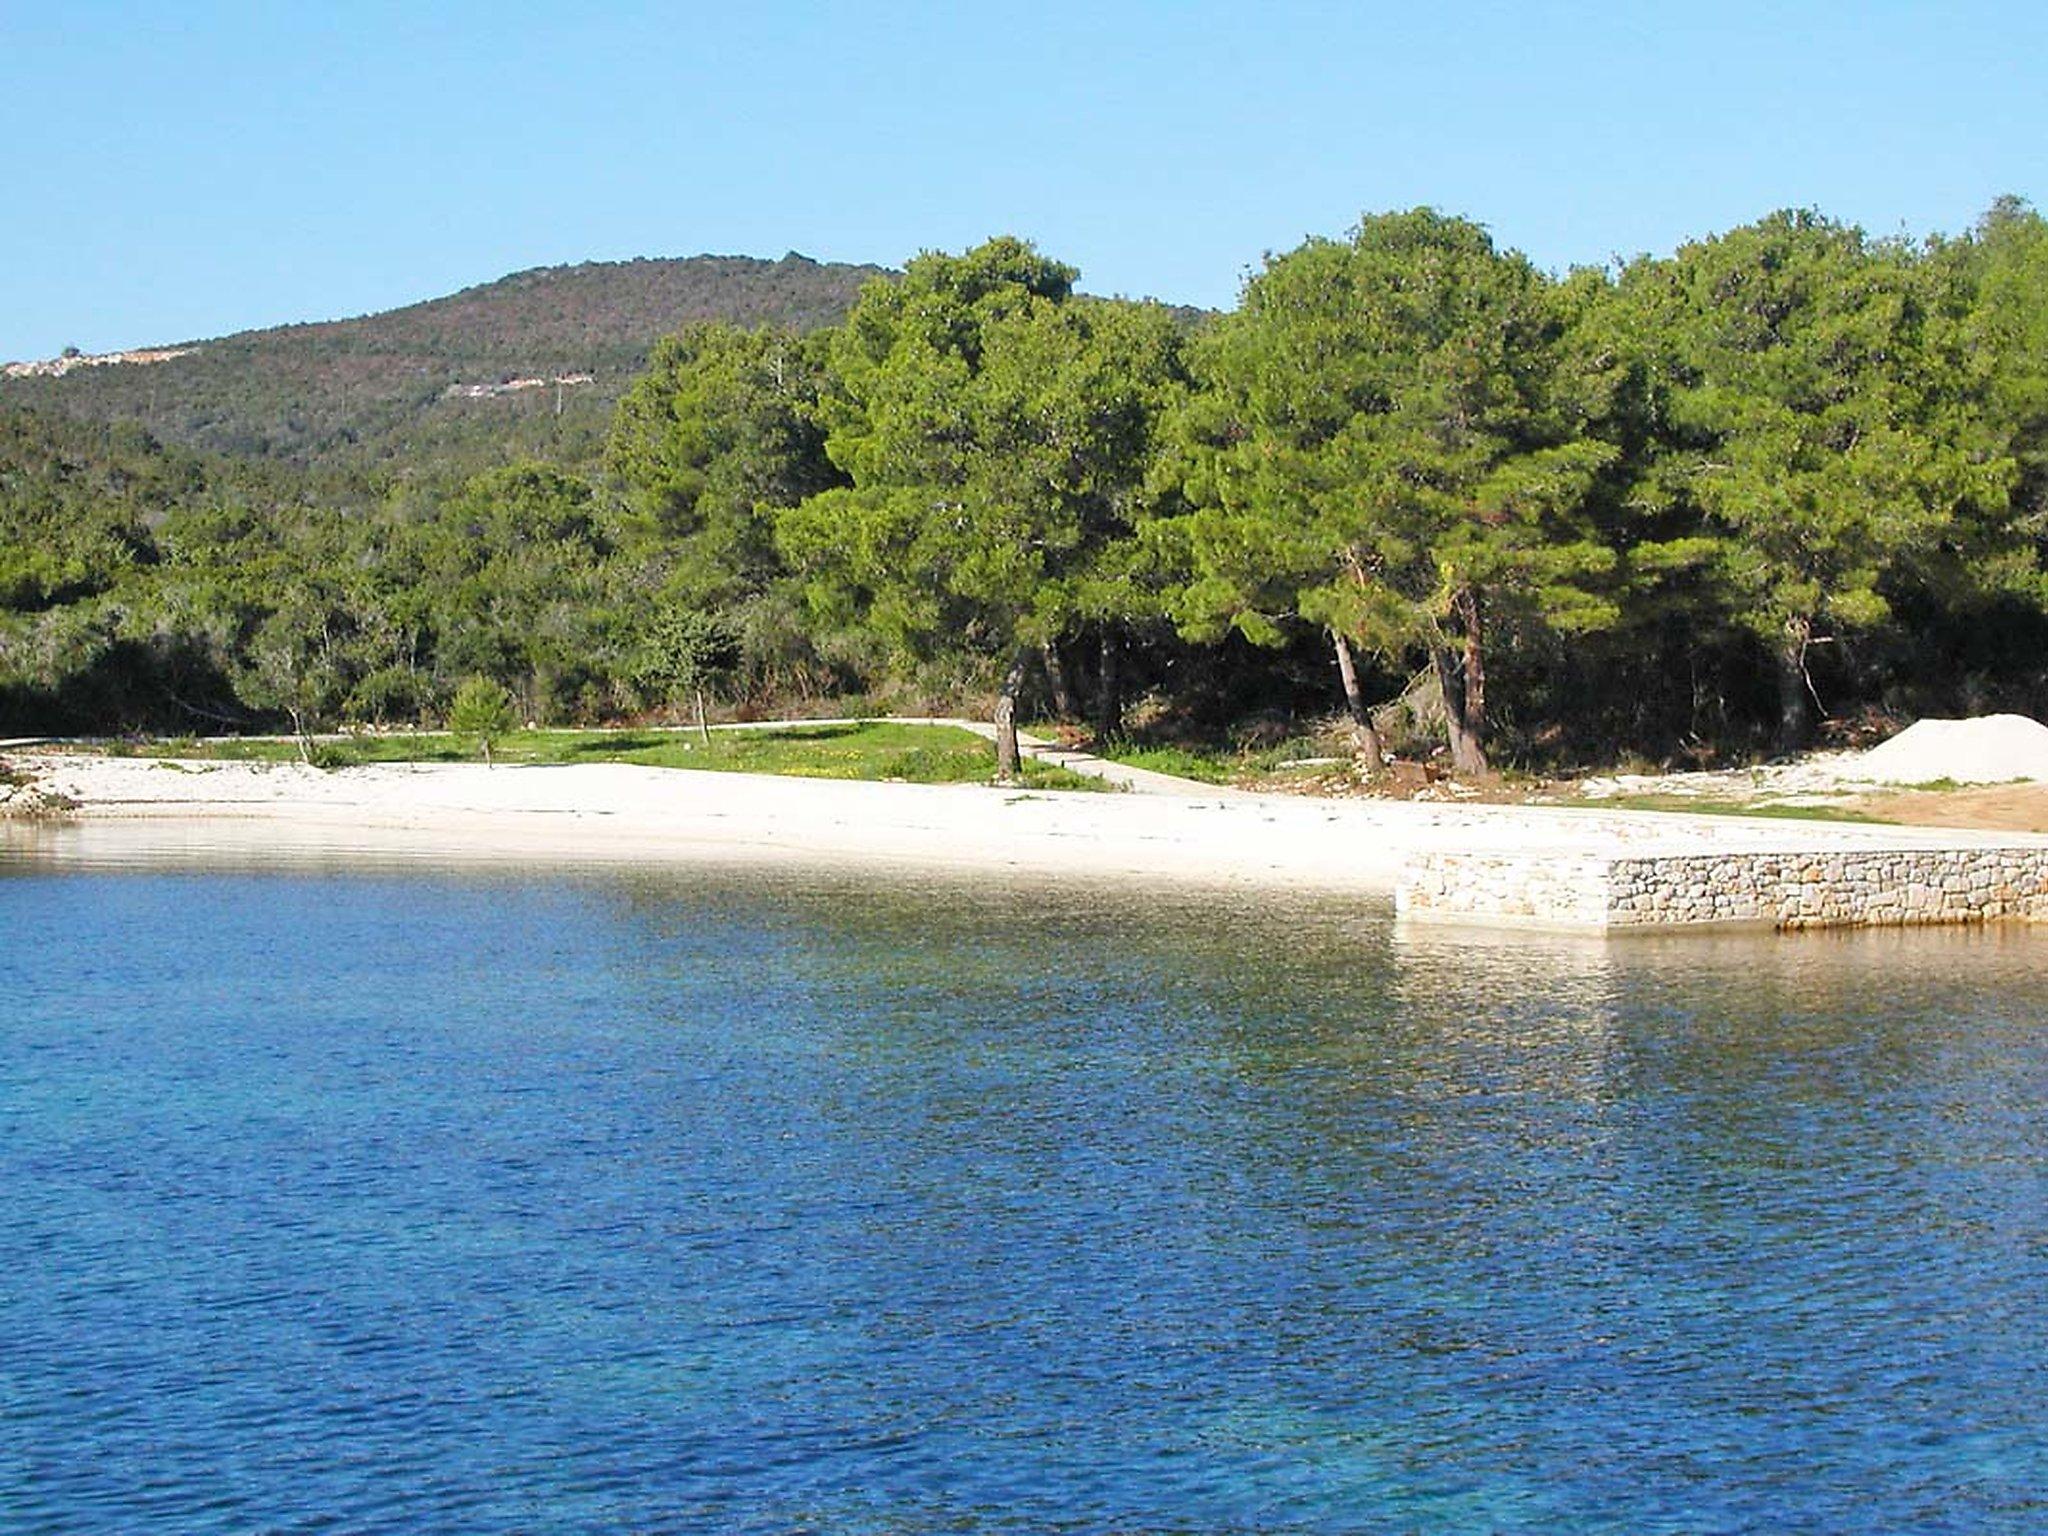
(1693,505)
(372,394)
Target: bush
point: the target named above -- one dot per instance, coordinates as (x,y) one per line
(334,754)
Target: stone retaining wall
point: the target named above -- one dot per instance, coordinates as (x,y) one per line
(1842,887)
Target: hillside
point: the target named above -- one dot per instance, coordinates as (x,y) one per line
(426,385)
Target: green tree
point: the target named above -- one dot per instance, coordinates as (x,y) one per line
(720,430)
(515,569)
(994,430)
(482,710)
(708,446)
(1072,397)
(1377,446)
(1818,445)
(2005,332)
(686,652)
(292,662)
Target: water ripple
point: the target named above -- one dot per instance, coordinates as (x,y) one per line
(388,1201)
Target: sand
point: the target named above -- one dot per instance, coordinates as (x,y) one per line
(1990,750)
(1987,749)
(613,812)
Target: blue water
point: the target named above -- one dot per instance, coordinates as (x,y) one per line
(374,1199)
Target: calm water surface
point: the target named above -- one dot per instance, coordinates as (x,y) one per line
(378,1198)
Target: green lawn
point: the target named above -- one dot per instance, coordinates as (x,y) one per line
(1204,767)
(1214,765)
(917,754)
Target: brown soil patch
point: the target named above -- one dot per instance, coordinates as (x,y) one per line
(1402,780)
(2002,808)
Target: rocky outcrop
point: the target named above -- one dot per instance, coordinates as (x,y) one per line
(57,367)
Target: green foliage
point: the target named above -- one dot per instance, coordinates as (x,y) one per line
(1378,447)
(1224,761)
(686,653)
(1998,306)
(373,393)
(481,711)
(335,754)
(1613,511)
(720,430)
(717,438)
(996,432)
(687,650)
(1181,762)
(75,507)
(1820,444)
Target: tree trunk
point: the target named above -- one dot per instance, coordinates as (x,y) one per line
(1795,690)
(305,742)
(485,742)
(1467,756)
(703,729)
(1365,740)
(1007,757)
(1109,690)
(1475,668)
(1056,678)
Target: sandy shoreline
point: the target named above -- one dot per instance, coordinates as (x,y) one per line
(616,812)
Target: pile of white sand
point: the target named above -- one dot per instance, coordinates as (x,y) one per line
(1989,749)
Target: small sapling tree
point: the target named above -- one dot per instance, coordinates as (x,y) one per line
(687,652)
(483,710)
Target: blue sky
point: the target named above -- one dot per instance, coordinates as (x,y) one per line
(183,170)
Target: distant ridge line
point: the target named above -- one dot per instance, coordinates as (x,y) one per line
(394,387)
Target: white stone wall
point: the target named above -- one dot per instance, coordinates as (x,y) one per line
(1859,887)
(1567,891)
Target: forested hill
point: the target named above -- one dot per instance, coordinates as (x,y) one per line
(1688,506)
(425,386)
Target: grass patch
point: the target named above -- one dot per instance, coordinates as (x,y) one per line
(879,750)
(1219,764)
(1697,805)
(1181,762)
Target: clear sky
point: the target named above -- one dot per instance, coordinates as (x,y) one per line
(185,170)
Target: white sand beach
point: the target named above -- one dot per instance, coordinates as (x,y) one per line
(611,812)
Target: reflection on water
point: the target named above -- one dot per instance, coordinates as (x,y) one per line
(505,1198)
